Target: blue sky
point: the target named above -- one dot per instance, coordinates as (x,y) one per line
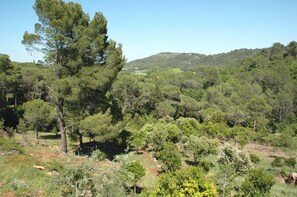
(147,27)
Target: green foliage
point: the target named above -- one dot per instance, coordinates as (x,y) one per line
(285,139)
(183,60)
(277,162)
(205,165)
(201,147)
(81,75)
(111,183)
(1,123)
(257,183)
(232,163)
(189,126)
(39,115)
(165,109)
(22,127)
(100,126)
(156,134)
(290,162)
(185,182)
(98,155)
(173,131)
(18,184)
(170,157)
(76,181)
(55,166)
(238,159)
(10,92)
(136,169)
(280,189)
(10,144)
(255,158)
(137,140)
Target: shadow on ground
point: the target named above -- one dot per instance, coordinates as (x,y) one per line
(50,137)
(109,148)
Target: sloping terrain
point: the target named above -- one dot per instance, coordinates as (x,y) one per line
(187,60)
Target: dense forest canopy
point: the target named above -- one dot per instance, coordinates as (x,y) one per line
(181,108)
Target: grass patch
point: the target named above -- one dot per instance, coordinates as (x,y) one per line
(177,70)
(23,179)
(10,144)
(280,189)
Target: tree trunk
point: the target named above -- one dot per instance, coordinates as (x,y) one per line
(224,184)
(135,189)
(15,101)
(62,126)
(255,125)
(80,139)
(36,129)
(195,160)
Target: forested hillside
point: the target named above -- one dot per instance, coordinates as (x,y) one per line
(194,125)
(186,61)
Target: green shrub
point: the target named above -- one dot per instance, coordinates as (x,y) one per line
(277,162)
(255,158)
(185,182)
(10,144)
(55,166)
(290,162)
(285,139)
(22,128)
(98,155)
(257,183)
(243,141)
(135,171)
(189,126)
(170,157)
(18,184)
(205,165)
(76,181)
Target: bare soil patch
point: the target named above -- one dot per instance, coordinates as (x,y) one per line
(266,151)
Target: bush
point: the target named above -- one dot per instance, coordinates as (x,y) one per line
(22,128)
(170,157)
(185,182)
(205,165)
(137,171)
(239,160)
(290,162)
(255,158)
(277,162)
(110,183)
(10,144)
(55,166)
(243,141)
(285,139)
(76,181)
(18,184)
(98,155)
(189,126)
(257,183)
(201,147)
(155,135)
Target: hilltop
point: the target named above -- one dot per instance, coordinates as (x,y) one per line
(186,61)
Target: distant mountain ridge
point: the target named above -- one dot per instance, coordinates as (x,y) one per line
(186,60)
